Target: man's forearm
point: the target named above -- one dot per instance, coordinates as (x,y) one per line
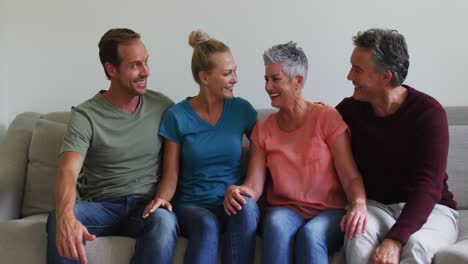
(65,195)
(70,164)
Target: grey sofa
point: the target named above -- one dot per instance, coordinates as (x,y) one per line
(28,163)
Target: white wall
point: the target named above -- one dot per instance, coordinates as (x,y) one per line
(53,63)
(4,118)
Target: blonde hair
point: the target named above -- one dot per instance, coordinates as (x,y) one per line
(203,47)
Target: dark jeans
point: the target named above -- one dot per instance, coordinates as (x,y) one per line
(156,236)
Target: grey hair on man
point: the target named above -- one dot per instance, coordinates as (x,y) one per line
(292,59)
(389,51)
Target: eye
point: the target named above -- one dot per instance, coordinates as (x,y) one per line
(357,70)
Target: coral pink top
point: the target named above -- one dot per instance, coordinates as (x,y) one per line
(303,174)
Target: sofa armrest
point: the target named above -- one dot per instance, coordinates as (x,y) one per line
(13,164)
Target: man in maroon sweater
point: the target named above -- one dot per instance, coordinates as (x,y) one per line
(400,143)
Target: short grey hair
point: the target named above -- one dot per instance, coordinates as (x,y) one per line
(389,51)
(292,59)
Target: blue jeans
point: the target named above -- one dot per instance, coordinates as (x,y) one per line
(156,236)
(289,238)
(203,226)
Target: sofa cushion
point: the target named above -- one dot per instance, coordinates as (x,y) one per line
(463,225)
(111,249)
(23,240)
(42,167)
(457,252)
(59,117)
(13,160)
(457,115)
(457,165)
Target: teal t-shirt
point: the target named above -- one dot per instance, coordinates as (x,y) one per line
(210,155)
(122,151)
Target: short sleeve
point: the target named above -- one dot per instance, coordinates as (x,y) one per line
(169,128)
(79,134)
(250,116)
(332,125)
(258,137)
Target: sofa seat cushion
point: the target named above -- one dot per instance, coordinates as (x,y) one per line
(456,253)
(24,240)
(119,250)
(112,249)
(463,225)
(45,145)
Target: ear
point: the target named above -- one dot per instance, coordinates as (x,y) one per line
(387,76)
(110,69)
(300,81)
(203,77)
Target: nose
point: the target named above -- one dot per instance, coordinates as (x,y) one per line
(234,77)
(350,75)
(268,85)
(145,70)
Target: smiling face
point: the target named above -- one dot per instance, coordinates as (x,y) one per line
(132,74)
(282,90)
(221,79)
(368,83)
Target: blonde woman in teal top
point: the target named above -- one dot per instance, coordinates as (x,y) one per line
(203,146)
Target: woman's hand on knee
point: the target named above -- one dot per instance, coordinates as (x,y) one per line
(354,223)
(155,204)
(233,200)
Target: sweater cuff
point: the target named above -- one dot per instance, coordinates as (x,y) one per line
(399,234)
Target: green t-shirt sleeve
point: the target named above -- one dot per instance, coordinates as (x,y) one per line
(79,134)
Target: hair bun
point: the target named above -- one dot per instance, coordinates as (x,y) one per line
(196,37)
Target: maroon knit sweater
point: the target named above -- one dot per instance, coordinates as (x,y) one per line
(402,157)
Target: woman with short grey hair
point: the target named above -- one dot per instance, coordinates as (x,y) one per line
(306,148)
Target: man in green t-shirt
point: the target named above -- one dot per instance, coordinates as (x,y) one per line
(113,140)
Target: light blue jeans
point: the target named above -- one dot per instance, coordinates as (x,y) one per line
(156,236)
(289,238)
(203,227)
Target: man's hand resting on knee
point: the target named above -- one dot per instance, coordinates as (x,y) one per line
(388,252)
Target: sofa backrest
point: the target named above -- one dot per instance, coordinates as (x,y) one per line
(46,140)
(457,163)
(28,156)
(13,157)
(37,139)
